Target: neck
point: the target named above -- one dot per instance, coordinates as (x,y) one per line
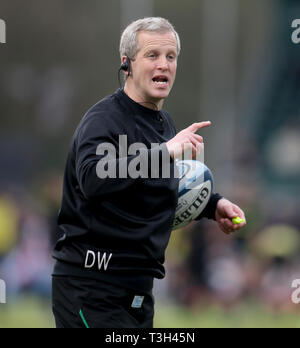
(150,104)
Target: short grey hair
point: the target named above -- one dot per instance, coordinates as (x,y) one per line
(129,38)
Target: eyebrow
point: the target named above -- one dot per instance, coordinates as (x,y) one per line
(154,50)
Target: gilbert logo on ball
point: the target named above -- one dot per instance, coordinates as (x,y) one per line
(194,192)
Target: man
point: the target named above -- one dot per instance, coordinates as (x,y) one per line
(117,227)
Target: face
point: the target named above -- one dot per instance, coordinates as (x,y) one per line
(154,69)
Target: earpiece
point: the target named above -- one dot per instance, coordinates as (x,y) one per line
(126,66)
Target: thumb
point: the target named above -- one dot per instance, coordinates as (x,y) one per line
(230,212)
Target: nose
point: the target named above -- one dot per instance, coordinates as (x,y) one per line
(163,64)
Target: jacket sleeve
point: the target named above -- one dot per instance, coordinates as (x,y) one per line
(210,209)
(100,167)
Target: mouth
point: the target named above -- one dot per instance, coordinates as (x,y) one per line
(160,80)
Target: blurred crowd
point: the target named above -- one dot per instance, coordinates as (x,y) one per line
(28,230)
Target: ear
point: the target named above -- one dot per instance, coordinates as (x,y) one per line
(126,66)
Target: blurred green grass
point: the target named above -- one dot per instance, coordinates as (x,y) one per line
(31,312)
(245,315)
(26,312)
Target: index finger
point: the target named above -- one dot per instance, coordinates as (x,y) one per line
(195,126)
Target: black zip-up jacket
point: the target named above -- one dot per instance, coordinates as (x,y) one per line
(116,227)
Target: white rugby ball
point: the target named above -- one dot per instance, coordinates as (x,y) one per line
(194,192)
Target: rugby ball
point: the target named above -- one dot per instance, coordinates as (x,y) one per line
(194,191)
